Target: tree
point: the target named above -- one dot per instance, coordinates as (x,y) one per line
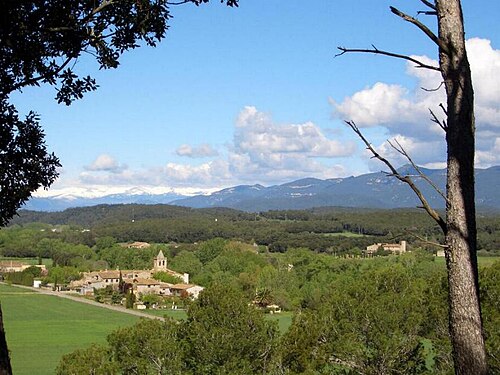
(224,335)
(459,226)
(95,360)
(25,164)
(386,319)
(5,368)
(40,43)
(149,347)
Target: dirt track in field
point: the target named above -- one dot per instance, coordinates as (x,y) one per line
(89,302)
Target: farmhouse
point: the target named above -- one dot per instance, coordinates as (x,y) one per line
(15,266)
(141,282)
(394,248)
(138,245)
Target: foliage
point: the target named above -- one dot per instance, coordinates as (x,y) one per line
(149,347)
(224,335)
(490,304)
(130,300)
(209,250)
(25,164)
(186,261)
(94,360)
(20,278)
(41,41)
(312,229)
(166,277)
(62,275)
(374,322)
(389,313)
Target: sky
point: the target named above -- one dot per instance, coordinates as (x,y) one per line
(255,94)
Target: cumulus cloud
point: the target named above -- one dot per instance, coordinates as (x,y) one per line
(261,151)
(269,151)
(201,151)
(257,135)
(105,163)
(405,114)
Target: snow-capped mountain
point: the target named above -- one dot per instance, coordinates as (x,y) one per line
(373,190)
(60,199)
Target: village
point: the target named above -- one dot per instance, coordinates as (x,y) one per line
(157,287)
(138,284)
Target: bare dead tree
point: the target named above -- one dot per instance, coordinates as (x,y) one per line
(459,226)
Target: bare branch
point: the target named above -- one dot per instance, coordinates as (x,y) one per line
(442,124)
(444,109)
(407,180)
(425,240)
(433,90)
(179,2)
(403,152)
(422,27)
(427,12)
(429,4)
(376,51)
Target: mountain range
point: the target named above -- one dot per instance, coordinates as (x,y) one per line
(372,190)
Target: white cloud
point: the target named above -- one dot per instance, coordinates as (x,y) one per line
(258,136)
(105,163)
(261,151)
(201,151)
(405,114)
(490,156)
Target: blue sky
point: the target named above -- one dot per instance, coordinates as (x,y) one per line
(255,95)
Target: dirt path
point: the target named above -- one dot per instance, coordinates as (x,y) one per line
(89,302)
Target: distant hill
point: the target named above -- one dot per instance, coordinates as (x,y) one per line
(60,203)
(373,190)
(105,214)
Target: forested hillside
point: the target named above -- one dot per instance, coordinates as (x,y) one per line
(327,229)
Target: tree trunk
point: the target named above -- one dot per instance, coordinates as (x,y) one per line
(469,351)
(5,368)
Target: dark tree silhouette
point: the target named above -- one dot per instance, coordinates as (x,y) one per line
(40,43)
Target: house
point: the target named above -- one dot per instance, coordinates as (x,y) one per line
(15,266)
(138,245)
(184,290)
(11,266)
(394,248)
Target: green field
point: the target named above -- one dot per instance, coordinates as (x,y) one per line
(175,314)
(41,328)
(284,320)
(481,261)
(344,234)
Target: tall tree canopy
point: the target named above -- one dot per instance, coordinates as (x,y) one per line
(40,42)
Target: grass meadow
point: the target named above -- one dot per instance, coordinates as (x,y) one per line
(41,328)
(481,261)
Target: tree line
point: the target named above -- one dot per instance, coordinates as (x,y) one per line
(279,230)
